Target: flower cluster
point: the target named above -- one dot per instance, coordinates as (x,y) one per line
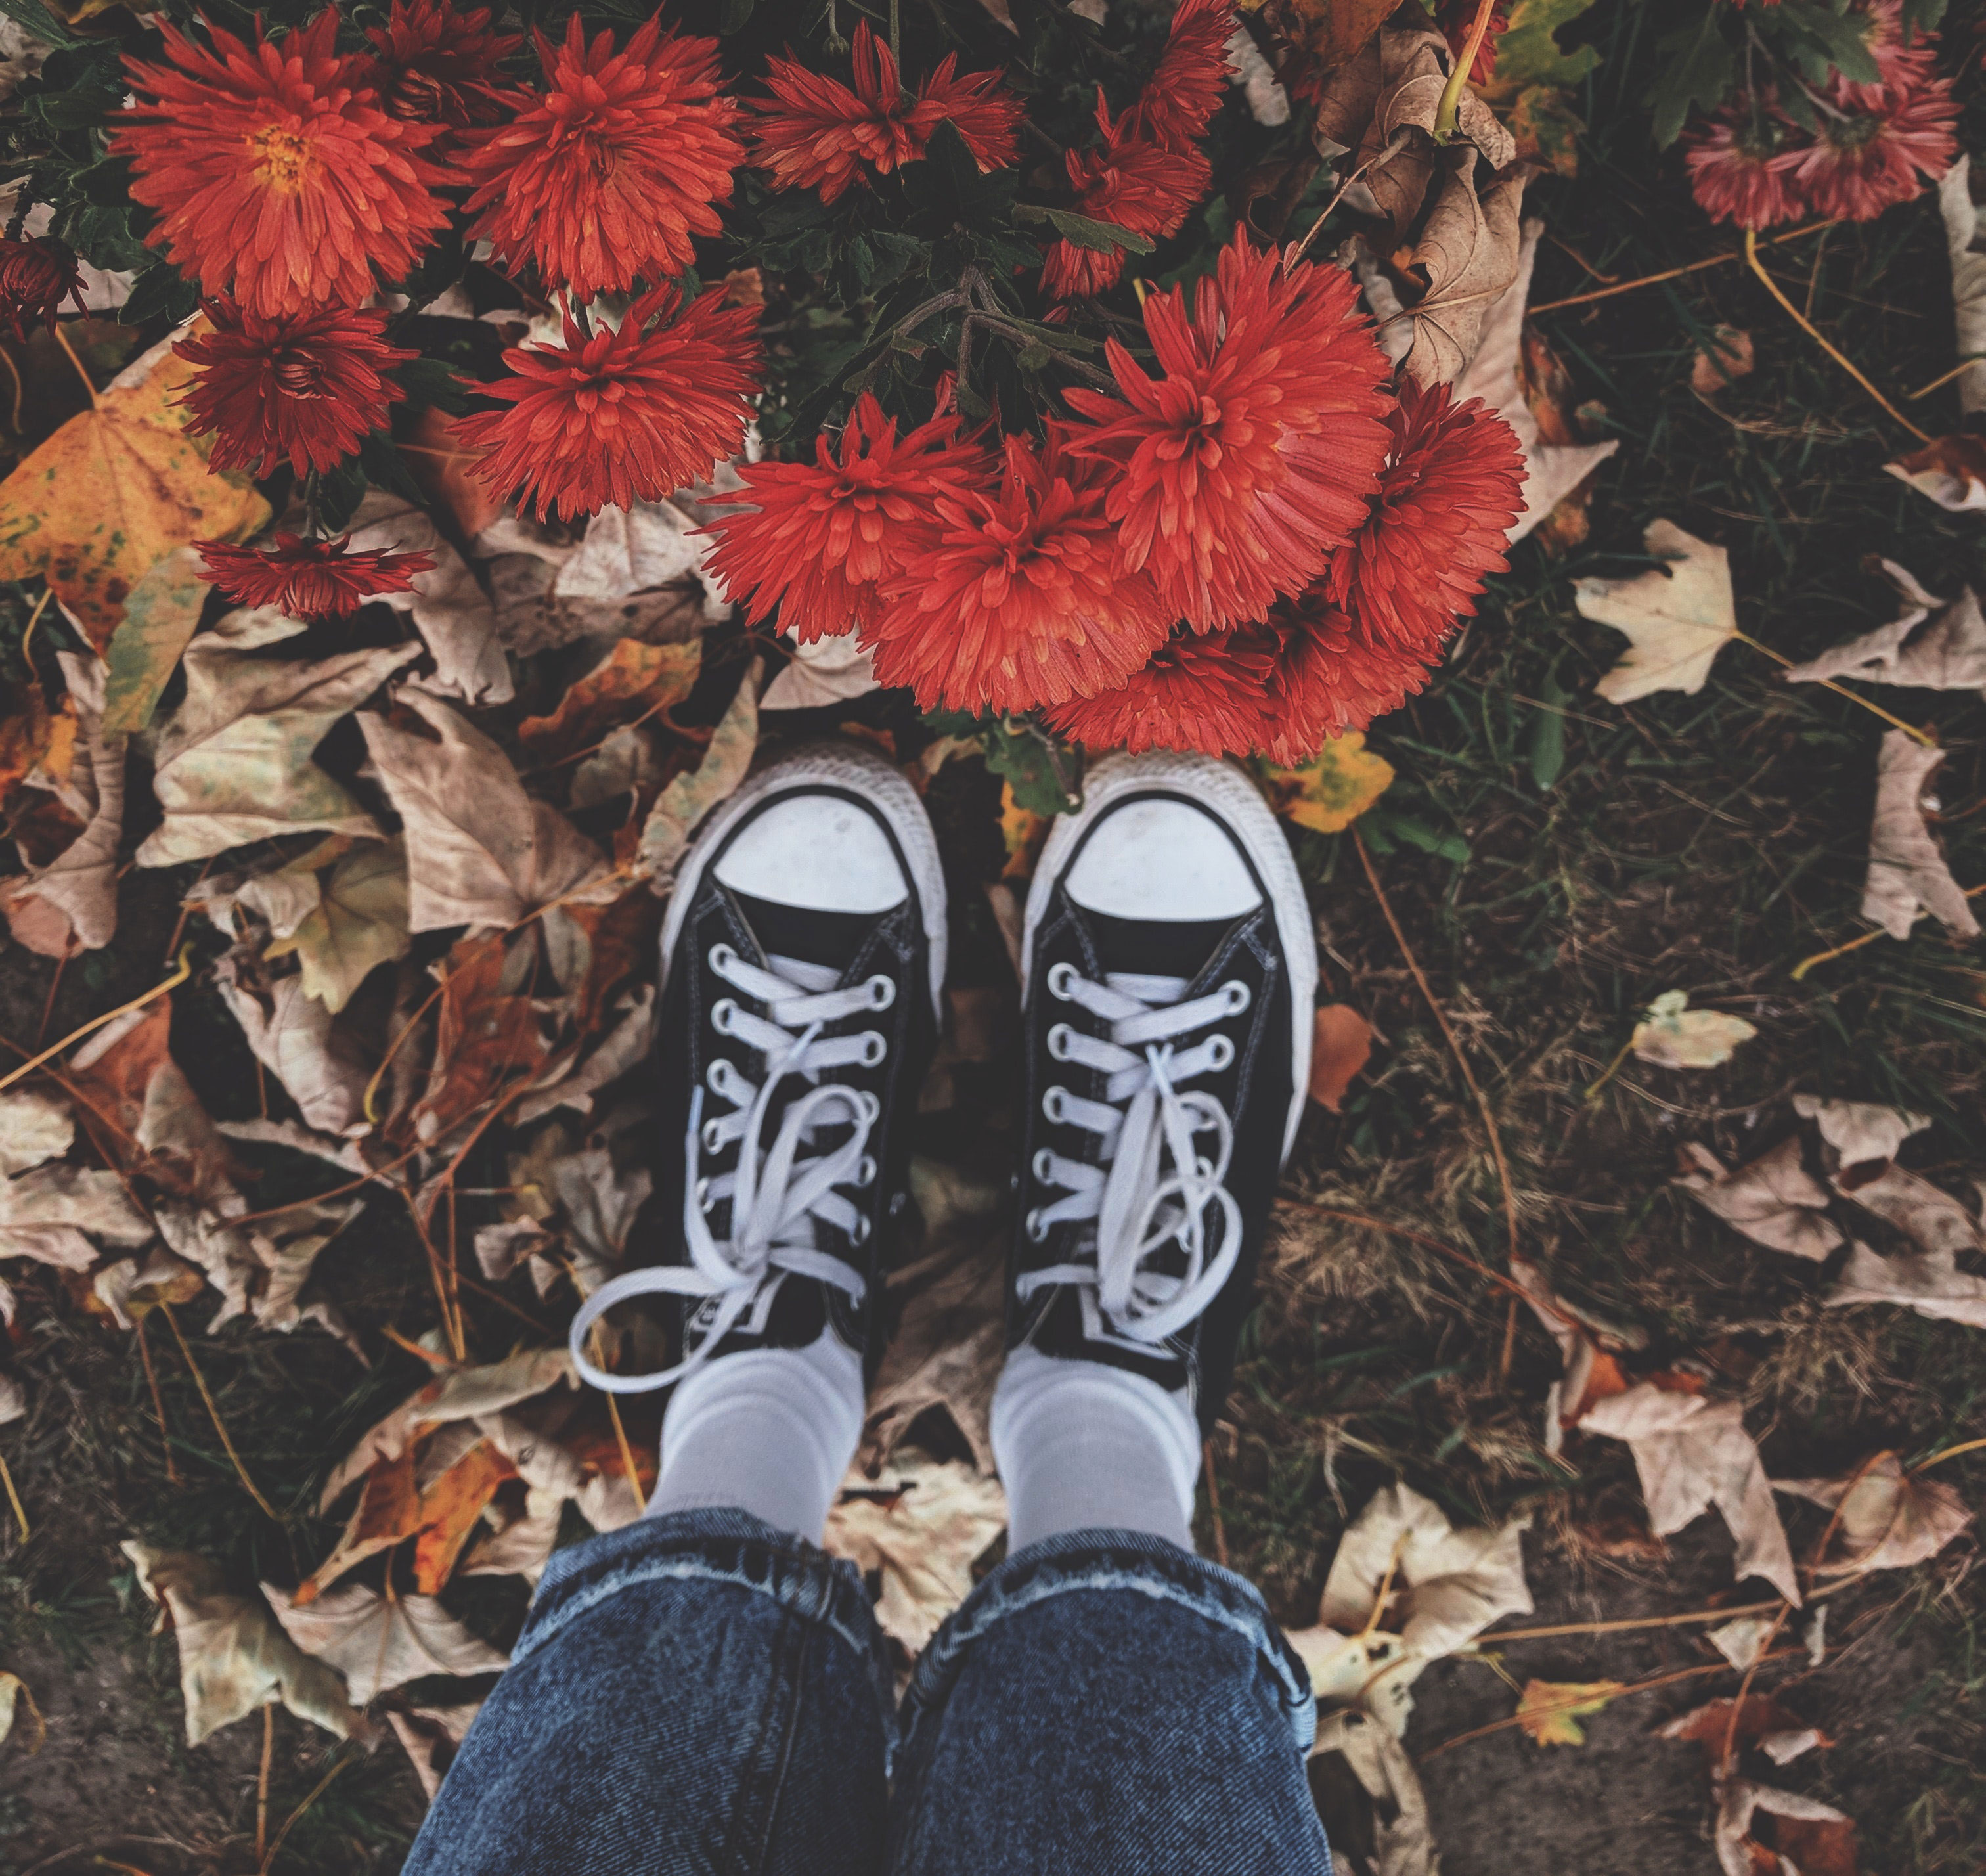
(1848,152)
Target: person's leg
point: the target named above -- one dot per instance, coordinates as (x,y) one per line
(1106,1700)
(702,1691)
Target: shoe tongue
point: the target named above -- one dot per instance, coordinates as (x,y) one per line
(1156,947)
(829,939)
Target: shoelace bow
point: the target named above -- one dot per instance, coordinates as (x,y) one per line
(1153,1190)
(775,1196)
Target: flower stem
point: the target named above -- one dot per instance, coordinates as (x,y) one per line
(1445,111)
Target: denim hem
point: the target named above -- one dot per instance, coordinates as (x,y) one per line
(718,1545)
(1124,1562)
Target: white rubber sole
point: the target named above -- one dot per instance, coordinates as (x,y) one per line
(1220,789)
(847,766)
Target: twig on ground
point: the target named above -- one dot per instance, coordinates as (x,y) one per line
(158,1400)
(1675,273)
(213,1413)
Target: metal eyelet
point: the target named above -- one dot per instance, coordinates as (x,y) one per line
(1059,1038)
(860,1234)
(874,1049)
(713,1141)
(705,1203)
(1202,1167)
(872,1107)
(865,1171)
(720,958)
(1236,995)
(882,991)
(1044,1167)
(1037,1227)
(1061,981)
(1052,1104)
(720,1014)
(1223,1053)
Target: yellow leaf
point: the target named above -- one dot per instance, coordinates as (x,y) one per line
(114,490)
(13,1690)
(1550,1711)
(1024,831)
(1333,789)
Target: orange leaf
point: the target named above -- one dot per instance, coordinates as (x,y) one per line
(1024,831)
(483,1039)
(34,738)
(389,1510)
(1814,1845)
(114,490)
(621,936)
(1550,1711)
(634,680)
(446,470)
(1951,470)
(449,1509)
(1341,1046)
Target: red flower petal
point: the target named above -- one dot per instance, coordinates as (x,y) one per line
(309,579)
(434,64)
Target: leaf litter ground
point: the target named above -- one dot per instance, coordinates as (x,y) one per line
(1555,863)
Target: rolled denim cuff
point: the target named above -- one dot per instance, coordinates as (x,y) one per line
(710,1546)
(1124,1562)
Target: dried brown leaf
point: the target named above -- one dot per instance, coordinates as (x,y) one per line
(1885,1518)
(1907,873)
(378,1643)
(1467,253)
(1773,1200)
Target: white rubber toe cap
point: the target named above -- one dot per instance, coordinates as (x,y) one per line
(1161,860)
(821,851)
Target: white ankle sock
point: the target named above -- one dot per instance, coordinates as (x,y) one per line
(1082,1445)
(770,1431)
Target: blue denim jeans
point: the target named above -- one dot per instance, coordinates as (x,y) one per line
(702,1693)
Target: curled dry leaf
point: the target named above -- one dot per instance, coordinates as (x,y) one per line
(1863,1137)
(1931,1285)
(1965,242)
(1907,873)
(623,1049)
(1341,1046)
(1742,1642)
(116,490)
(1553,469)
(1951,470)
(480,851)
(52,1214)
(1467,253)
(1673,1035)
(13,1693)
(358,921)
(827,671)
(1368,1792)
(487,1033)
(34,1126)
(378,1643)
(260,1269)
(234,1657)
(921,1523)
(1692,1453)
(431,1735)
(296,1038)
(1334,32)
(1794,1831)
(233,764)
(1948,654)
(687,799)
(1677,619)
(1550,1712)
(449,608)
(634,680)
(71,904)
(640,572)
(1885,1519)
(1333,789)
(1773,1200)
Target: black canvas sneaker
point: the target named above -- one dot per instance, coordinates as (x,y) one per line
(1169,971)
(802,961)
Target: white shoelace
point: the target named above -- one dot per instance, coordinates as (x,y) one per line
(775,1196)
(1154,1189)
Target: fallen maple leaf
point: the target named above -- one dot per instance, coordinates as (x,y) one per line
(295,1038)
(1933,1220)
(1341,1046)
(160,614)
(480,852)
(1931,1285)
(1863,1137)
(1467,253)
(1761,1717)
(1727,357)
(359,922)
(1333,31)
(484,1041)
(1333,789)
(687,799)
(1773,1200)
(1949,654)
(116,490)
(1692,1453)
(34,1126)
(1885,1518)
(921,1525)
(1549,1711)
(71,904)
(380,1643)
(1673,1035)
(445,468)
(1677,619)
(1554,471)
(634,680)
(233,1657)
(640,572)
(233,764)
(1907,873)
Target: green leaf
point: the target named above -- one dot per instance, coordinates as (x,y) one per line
(1044,773)
(339,492)
(428,381)
(1099,236)
(1921,16)
(160,292)
(1414,832)
(1839,36)
(1547,741)
(385,469)
(104,238)
(39,22)
(1698,67)
(1528,53)
(161,612)
(106,184)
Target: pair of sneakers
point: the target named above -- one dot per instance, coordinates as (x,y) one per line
(1169,968)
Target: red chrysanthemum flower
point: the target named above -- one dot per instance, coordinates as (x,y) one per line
(607,176)
(436,66)
(1447,499)
(274,169)
(1739,163)
(814,132)
(1132,182)
(309,579)
(819,539)
(1880,23)
(35,276)
(310,387)
(1877,154)
(1187,84)
(1331,676)
(1254,454)
(620,416)
(1019,602)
